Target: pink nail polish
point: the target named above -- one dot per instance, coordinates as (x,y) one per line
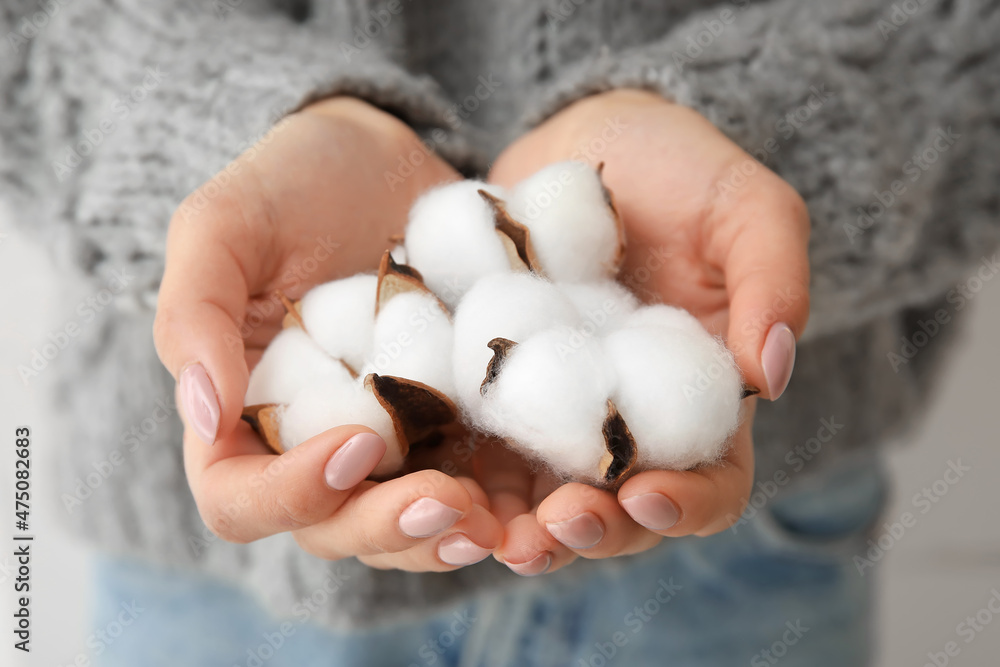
(354,461)
(581,532)
(201,405)
(458,549)
(537,565)
(652,510)
(426,517)
(778,358)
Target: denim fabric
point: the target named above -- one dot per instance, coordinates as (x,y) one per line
(779,588)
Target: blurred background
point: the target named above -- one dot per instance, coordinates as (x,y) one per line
(944,569)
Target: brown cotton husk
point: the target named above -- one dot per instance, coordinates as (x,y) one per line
(516,263)
(609,199)
(264,420)
(620,458)
(417,410)
(394,278)
(293,312)
(501,348)
(518,235)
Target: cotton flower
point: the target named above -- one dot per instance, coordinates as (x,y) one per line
(512,306)
(451,239)
(501,309)
(291,361)
(549,400)
(574,229)
(340,316)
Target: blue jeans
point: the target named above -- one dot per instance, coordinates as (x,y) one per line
(780,588)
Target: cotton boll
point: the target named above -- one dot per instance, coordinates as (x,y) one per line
(451,239)
(668,317)
(678,391)
(340,315)
(573,230)
(292,360)
(550,399)
(413,339)
(603,306)
(326,403)
(513,306)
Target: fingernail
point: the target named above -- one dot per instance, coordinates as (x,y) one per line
(537,565)
(354,461)
(580,532)
(426,517)
(460,550)
(652,510)
(201,405)
(778,358)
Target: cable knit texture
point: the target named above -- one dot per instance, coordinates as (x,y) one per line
(113,111)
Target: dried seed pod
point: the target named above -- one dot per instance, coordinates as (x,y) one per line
(417,410)
(518,235)
(264,418)
(293,311)
(609,199)
(395,279)
(501,348)
(618,462)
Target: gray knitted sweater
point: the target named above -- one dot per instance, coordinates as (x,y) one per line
(111,111)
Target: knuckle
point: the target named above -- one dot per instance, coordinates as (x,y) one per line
(291,511)
(222,524)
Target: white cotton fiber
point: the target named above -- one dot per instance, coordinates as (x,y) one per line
(326,403)
(289,362)
(413,340)
(550,400)
(603,306)
(573,230)
(513,306)
(451,239)
(667,317)
(398,253)
(678,391)
(340,315)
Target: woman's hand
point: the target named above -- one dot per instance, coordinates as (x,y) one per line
(308,204)
(735,256)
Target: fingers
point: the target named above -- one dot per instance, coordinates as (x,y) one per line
(245,493)
(762,243)
(396,515)
(506,478)
(212,256)
(529,549)
(467,542)
(591,523)
(694,502)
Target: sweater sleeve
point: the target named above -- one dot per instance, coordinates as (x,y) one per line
(112,114)
(109,116)
(884,115)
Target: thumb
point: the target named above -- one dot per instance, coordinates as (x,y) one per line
(202,298)
(767,280)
